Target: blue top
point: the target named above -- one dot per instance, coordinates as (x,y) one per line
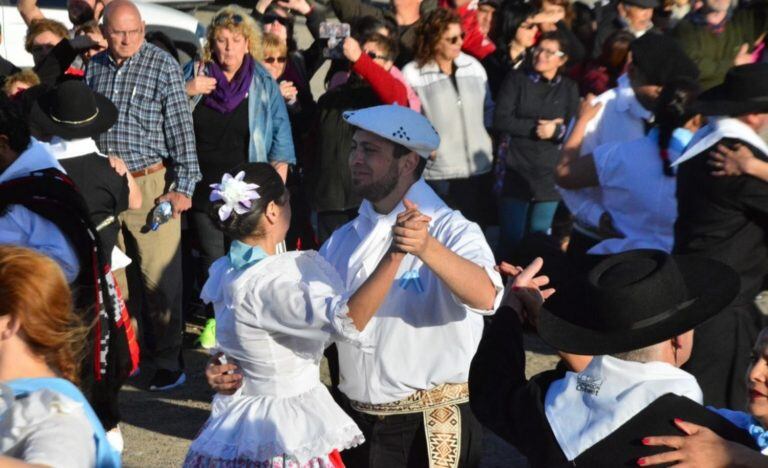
(106,456)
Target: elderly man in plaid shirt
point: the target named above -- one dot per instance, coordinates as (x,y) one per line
(155,137)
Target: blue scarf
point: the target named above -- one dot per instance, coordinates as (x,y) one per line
(242,255)
(229,94)
(746,422)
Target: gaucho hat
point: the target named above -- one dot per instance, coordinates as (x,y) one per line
(744,91)
(70,110)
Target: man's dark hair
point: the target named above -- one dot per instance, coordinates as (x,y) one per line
(401,151)
(13,124)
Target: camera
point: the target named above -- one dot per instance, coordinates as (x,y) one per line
(335,33)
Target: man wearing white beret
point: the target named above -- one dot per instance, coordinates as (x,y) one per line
(409,395)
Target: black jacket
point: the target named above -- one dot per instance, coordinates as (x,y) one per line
(524,98)
(724,218)
(504,401)
(328,175)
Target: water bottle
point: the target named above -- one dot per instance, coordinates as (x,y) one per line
(161,214)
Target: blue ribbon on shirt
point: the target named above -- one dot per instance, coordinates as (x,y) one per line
(757,431)
(411,279)
(242,255)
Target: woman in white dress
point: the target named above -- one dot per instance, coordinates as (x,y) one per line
(44,419)
(275,315)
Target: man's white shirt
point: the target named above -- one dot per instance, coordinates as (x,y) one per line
(622,118)
(423,335)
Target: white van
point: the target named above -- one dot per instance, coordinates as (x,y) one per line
(187,33)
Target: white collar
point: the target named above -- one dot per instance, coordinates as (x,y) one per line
(66,149)
(716,130)
(420,193)
(36,157)
(585,408)
(626,101)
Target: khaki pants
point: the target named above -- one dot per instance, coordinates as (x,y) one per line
(151,285)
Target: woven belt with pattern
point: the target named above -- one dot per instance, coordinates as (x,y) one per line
(442,419)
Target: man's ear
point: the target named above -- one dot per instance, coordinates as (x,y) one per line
(409,163)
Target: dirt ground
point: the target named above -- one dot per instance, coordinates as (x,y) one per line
(158,427)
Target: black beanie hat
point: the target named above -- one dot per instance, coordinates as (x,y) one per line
(661,59)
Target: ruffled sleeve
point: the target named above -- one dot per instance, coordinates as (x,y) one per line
(300,294)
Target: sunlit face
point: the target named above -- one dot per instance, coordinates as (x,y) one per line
(525,36)
(229,48)
(124,33)
(485,14)
(757,380)
(275,62)
(548,57)
(449,46)
(638,18)
(378,54)
(42,45)
(375,171)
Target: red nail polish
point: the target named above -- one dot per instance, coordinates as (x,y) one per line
(645,441)
(678,420)
(640,461)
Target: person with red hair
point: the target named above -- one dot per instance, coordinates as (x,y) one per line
(44,418)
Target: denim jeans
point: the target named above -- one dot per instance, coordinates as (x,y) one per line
(518,218)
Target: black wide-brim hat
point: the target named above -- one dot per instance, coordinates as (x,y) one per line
(71,111)
(744,91)
(639,298)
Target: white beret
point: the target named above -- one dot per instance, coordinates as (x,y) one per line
(397,124)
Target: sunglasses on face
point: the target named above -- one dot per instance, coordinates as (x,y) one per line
(454,39)
(225,17)
(373,56)
(271,60)
(269,19)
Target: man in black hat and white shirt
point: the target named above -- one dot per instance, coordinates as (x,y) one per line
(726,218)
(623,117)
(635,316)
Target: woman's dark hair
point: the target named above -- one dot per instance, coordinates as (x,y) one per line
(510,17)
(616,51)
(367,25)
(271,189)
(673,110)
(429,33)
(556,36)
(13,124)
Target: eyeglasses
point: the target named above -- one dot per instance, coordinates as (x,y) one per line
(549,53)
(454,39)
(373,55)
(223,18)
(271,60)
(125,34)
(271,18)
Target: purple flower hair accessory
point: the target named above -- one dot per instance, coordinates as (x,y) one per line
(236,195)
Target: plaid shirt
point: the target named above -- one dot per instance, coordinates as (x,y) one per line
(154,119)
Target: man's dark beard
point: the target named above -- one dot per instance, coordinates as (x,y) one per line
(377,191)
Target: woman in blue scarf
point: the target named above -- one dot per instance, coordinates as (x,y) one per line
(44,419)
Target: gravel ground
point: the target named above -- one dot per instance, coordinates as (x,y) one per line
(158,427)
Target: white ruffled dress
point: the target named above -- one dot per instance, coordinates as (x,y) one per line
(275,319)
